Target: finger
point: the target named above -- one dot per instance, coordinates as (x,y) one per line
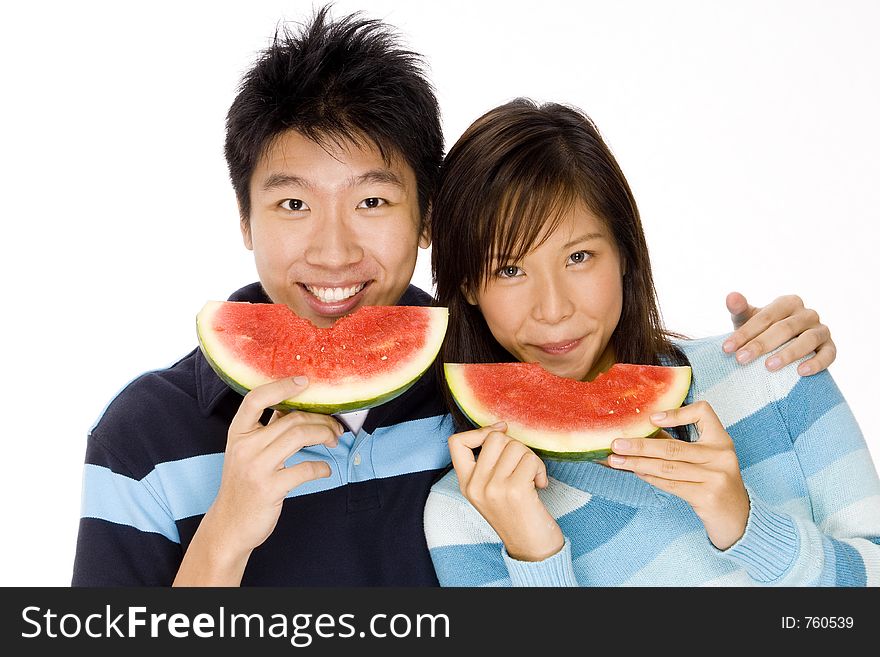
(760,321)
(739,309)
(255,402)
(700,414)
(825,355)
(659,467)
(801,322)
(669,449)
(461,449)
(285,420)
(490,452)
(295,438)
(806,343)
(296,475)
(686,490)
(508,461)
(531,469)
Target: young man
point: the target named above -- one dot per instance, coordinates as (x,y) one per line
(334,144)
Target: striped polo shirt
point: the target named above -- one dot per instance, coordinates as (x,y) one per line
(153,464)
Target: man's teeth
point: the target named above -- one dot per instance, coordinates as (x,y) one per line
(330,294)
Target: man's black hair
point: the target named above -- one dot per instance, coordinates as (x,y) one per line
(336,81)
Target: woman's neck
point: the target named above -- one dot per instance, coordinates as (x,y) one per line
(602,364)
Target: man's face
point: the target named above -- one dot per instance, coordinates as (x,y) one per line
(332,228)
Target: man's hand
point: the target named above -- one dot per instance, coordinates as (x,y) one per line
(761,330)
(255,482)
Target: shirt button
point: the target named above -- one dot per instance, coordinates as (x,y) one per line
(357,458)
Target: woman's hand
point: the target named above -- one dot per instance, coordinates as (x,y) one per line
(705,474)
(761,330)
(502,485)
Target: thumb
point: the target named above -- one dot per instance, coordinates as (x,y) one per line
(739,309)
(264,396)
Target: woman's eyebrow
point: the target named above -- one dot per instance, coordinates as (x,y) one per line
(583,238)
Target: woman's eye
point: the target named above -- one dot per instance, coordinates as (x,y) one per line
(509,271)
(294,205)
(372,202)
(579,256)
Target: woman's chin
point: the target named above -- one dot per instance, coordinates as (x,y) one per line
(578,372)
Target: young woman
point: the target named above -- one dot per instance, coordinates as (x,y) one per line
(538,252)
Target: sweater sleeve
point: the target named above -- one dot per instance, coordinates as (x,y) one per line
(839,543)
(127,535)
(466,551)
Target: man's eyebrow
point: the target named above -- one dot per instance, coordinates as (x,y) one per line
(583,238)
(380,176)
(279,180)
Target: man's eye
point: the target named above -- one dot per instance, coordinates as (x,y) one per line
(372,202)
(294,205)
(508,271)
(579,256)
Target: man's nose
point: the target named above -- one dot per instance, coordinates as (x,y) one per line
(333,242)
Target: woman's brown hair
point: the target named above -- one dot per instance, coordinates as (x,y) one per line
(510,178)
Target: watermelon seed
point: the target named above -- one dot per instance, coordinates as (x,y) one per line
(638,411)
(384,357)
(297,356)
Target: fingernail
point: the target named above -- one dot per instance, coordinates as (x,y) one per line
(300,380)
(743,356)
(805,370)
(728,346)
(656,417)
(499,425)
(774,363)
(620,443)
(614,459)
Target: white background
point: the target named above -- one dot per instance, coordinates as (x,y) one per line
(747,130)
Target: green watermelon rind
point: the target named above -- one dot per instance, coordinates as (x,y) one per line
(350,405)
(593,454)
(310,407)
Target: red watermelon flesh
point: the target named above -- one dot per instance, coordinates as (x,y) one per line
(564,418)
(364,359)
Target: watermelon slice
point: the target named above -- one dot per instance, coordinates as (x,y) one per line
(365,359)
(565,419)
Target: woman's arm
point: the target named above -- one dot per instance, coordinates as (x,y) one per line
(836,543)
(840,544)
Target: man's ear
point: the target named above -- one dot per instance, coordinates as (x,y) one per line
(245,226)
(425,235)
(468,296)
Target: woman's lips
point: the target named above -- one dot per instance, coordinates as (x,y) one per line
(558,348)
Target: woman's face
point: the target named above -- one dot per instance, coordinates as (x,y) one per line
(559,305)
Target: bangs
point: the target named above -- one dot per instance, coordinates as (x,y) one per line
(339,136)
(527,213)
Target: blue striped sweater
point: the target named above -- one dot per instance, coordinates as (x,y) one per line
(813,489)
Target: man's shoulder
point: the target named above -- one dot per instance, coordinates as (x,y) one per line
(415,296)
(152,396)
